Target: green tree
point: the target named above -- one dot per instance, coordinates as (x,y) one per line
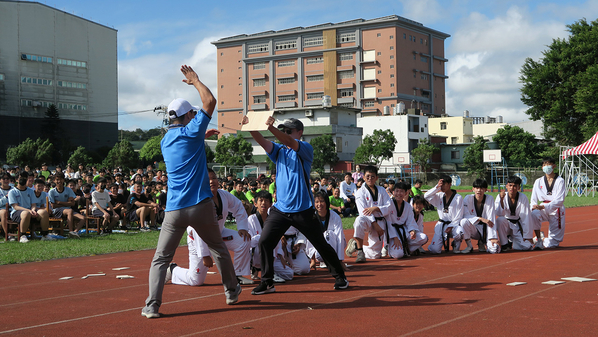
(474,157)
(80,156)
(518,146)
(52,130)
(122,154)
(29,152)
(422,154)
(324,153)
(376,147)
(561,89)
(233,151)
(151,150)
(210,155)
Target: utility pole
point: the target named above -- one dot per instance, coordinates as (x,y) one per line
(161,109)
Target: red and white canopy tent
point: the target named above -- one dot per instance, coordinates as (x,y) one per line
(580,174)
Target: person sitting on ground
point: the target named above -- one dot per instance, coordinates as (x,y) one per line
(450,213)
(238,191)
(63,199)
(141,209)
(44,172)
(332,228)
(416,189)
(25,212)
(102,208)
(348,190)
(250,195)
(513,212)
(337,204)
(419,203)
(548,196)
(373,204)
(237,241)
(404,236)
(282,270)
(479,218)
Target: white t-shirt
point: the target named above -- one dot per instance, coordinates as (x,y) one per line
(102,198)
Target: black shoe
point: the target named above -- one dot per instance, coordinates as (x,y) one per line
(341,283)
(263,288)
(505,248)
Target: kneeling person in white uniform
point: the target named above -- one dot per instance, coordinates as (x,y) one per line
(373,204)
(237,241)
(450,212)
(547,200)
(405,237)
(478,219)
(332,228)
(513,212)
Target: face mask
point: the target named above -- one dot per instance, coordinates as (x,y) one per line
(547,169)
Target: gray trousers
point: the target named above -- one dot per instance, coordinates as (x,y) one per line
(202,217)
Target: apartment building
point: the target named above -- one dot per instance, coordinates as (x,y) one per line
(48,56)
(363,64)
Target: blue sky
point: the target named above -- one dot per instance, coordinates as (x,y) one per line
(488,45)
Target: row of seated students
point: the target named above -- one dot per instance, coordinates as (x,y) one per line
(110,199)
(509,221)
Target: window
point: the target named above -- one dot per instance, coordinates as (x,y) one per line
(392,66)
(259,99)
(1,77)
(315,78)
(421,41)
(287,80)
(35,104)
(392,37)
(259,82)
(75,85)
(222,103)
(288,63)
(379,90)
(378,35)
(369,55)
(221,70)
(32,80)
(346,92)
(424,59)
(392,75)
(345,56)
(286,98)
(453,140)
(345,37)
(424,76)
(315,60)
(346,105)
(455,154)
(379,72)
(392,47)
(392,57)
(72,63)
(221,86)
(442,125)
(36,58)
(69,106)
(221,55)
(392,85)
(283,45)
(313,41)
(379,53)
(369,92)
(369,74)
(315,95)
(258,48)
(259,65)
(339,144)
(368,104)
(404,35)
(346,74)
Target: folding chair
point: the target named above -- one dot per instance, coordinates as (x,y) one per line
(94,221)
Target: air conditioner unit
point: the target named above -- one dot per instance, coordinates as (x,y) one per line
(309,113)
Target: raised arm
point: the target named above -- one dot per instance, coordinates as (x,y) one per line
(208,100)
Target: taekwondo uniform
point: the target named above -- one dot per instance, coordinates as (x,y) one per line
(401,221)
(198,249)
(256,224)
(365,198)
(332,228)
(473,228)
(450,213)
(552,197)
(513,219)
(299,262)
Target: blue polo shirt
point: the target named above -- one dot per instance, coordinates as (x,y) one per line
(186,164)
(292,192)
(22,198)
(66,194)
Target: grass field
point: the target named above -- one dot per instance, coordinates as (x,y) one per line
(15,252)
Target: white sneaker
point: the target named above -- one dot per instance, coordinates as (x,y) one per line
(539,245)
(351,247)
(74,235)
(47,238)
(360,257)
(323,265)
(278,279)
(467,250)
(23,239)
(384,251)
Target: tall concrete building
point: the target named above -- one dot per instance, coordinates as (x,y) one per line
(364,64)
(48,56)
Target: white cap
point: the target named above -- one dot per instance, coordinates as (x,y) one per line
(179,107)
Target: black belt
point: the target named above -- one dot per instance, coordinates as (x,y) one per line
(518,223)
(403,237)
(484,232)
(227,238)
(445,241)
(293,238)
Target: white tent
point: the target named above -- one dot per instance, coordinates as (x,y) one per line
(579,172)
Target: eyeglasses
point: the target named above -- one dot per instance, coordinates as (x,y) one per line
(288,131)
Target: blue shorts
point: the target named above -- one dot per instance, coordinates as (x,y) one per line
(57,212)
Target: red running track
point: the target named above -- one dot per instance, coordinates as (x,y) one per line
(445,294)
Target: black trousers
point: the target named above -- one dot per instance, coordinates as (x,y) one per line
(306,222)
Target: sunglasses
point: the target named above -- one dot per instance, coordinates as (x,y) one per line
(288,131)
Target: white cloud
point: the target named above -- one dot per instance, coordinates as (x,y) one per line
(427,11)
(486,55)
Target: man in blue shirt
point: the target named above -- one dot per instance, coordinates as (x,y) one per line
(189,200)
(294,202)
